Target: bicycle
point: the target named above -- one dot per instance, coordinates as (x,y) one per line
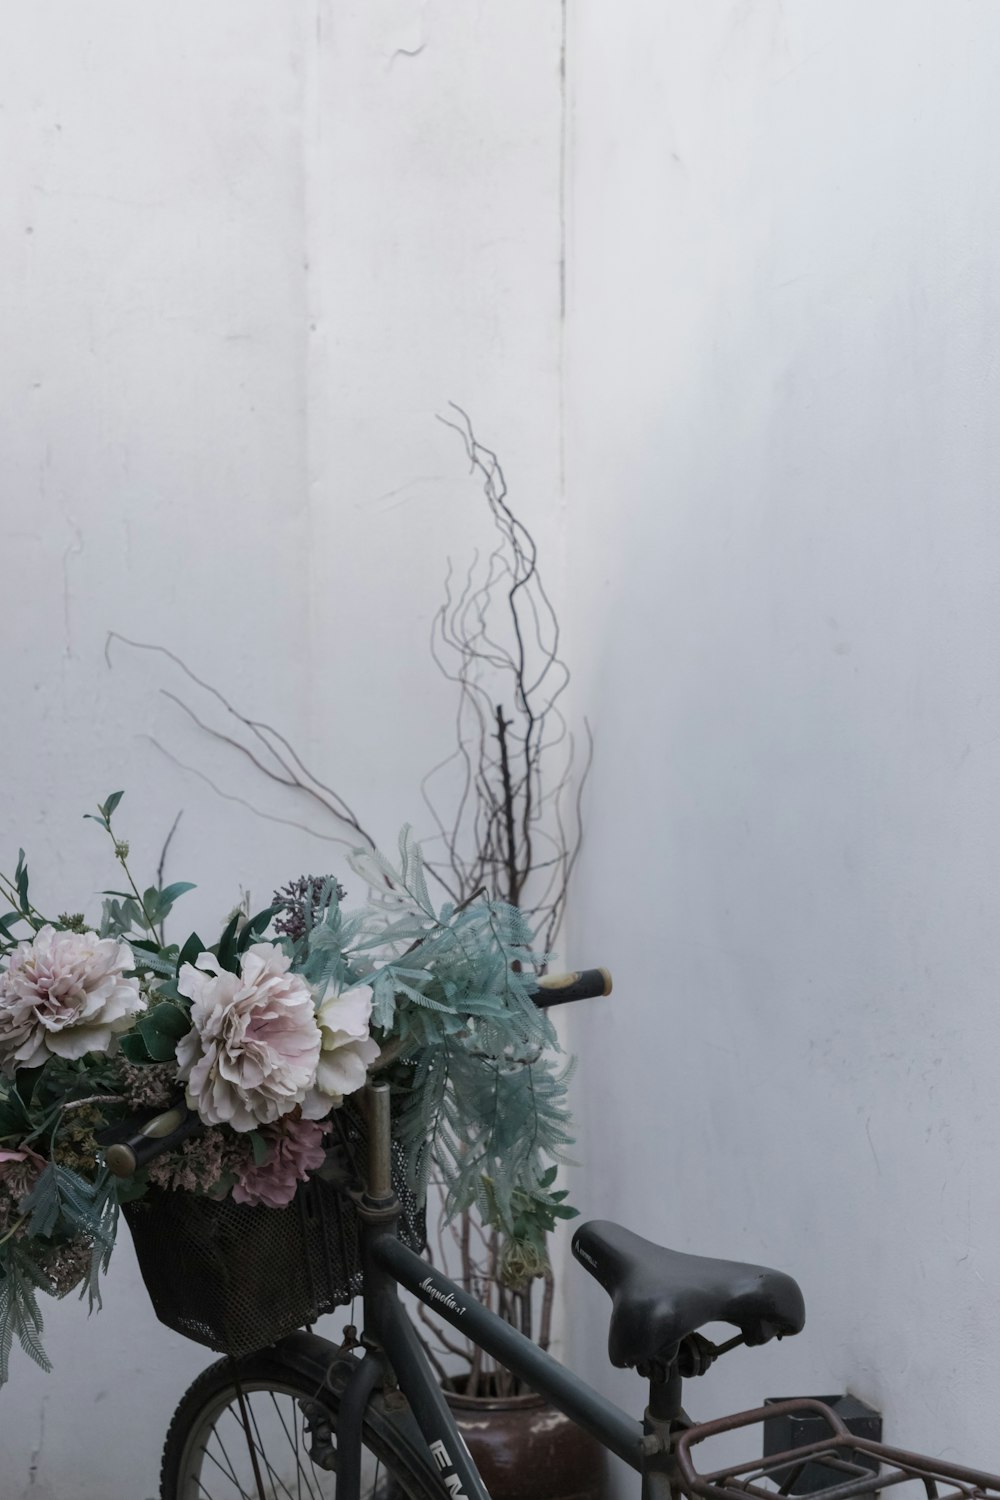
(372,1414)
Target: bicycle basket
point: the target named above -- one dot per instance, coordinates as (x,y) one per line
(237,1278)
(839,1466)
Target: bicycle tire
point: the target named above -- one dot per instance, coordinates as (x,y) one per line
(207,1436)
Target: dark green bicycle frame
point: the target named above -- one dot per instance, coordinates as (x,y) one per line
(390,1265)
(391,1340)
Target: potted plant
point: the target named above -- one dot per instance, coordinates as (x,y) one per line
(508,827)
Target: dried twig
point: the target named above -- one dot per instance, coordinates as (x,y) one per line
(163,864)
(496,636)
(291,772)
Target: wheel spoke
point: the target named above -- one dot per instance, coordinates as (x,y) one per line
(229,1470)
(274,1477)
(223,1452)
(293,1442)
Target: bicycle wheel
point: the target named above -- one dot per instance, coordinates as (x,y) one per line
(292,1419)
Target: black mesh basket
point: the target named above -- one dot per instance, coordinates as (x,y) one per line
(237,1278)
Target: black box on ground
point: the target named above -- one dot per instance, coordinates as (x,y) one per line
(800,1429)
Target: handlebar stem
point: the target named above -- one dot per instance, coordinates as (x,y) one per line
(378,1188)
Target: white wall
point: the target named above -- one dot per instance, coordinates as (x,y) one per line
(247,253)
(783,529)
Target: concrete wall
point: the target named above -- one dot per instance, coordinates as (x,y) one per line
(783,531)
(247,253)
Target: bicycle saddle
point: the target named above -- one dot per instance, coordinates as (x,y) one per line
(659,1296)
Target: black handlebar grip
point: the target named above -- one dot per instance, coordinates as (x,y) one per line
(559,989)
(162,1133)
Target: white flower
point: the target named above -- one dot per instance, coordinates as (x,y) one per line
(348,1047)
(64,994)
(252,1053)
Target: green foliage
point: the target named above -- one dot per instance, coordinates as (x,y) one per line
(62,1205)
(119,918)
(104,811)
(22,913)
(260,1147)
(255,926)
(20,1314)
(15,1122)
(476,1070)
(61,1208)
(536,1211)
(190,951)
(21,882)
(161,1028)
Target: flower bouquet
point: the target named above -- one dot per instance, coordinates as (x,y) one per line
(264,1035)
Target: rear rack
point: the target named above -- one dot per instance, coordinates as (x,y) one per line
(858,1466)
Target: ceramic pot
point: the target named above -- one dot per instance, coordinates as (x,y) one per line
(527,1450)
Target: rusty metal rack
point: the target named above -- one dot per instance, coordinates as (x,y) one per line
(857,1466)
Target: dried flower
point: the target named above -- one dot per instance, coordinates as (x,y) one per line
(296,1150)
(303,904)
(76,1144)
(520,1262)
(201,1163)
(65,1265)
(19,1171)
(148,1085)
(65,994)
(251,1054)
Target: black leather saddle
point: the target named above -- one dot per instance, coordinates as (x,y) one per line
(660,1296)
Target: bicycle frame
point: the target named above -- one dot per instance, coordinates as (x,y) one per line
(390,1338)
(658,1448)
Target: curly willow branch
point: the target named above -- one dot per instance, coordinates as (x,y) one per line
(509,821)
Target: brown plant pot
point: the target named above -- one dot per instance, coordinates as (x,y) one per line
(527,1450)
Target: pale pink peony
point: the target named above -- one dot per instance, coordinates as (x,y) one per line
(348,1048)
(296,1150)
(252,1052)
(65,994)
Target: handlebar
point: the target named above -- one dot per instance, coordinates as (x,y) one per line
(560,989)
(134,1143)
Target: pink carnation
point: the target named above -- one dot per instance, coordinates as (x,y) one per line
(296,1150)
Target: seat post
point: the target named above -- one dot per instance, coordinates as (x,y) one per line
(662,1420)
(664,1407)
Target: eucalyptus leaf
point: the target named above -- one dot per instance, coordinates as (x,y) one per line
(227,952)
(160,1046)
(21,880)
(261,1148)
(134,1049)
(25,1080)
(192,949)
(172,893)
(255,927)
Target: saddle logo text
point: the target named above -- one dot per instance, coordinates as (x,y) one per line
(443,1460)
(445,1298)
